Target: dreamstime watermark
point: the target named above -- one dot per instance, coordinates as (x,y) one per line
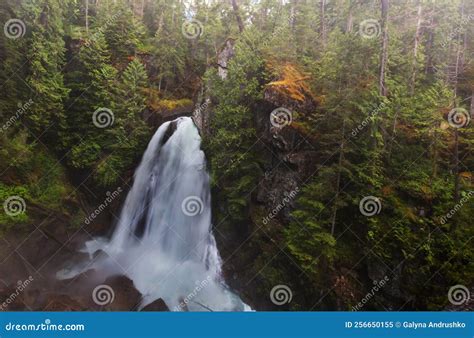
(14,206)
(200,285)
(20,287)
(281,117)
(377,286)
(203,107)
(459,294)
(288,198)
(22,108)
(281,294)
(369,28)
(14,29)
(457,207)
(103,294)
(46,326)
(192,29)
(110,197)
(458,30)
(368,119)
(103,117)
(100,30)
(192,206)
(459,117)
(370,206)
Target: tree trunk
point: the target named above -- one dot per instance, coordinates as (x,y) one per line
(87,16)
(429,46)
(293,15)
(394,131)
(384,52)
(415,47)
(350,19)
(456,132)
(322,24)
(237,15)
(338,180)
(435,154)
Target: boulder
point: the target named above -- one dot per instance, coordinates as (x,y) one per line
(157,305)
(121,293)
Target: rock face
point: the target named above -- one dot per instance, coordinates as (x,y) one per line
(125,297)
(226,53)
(290,158)
(201,116)
(202,113)
(157,305)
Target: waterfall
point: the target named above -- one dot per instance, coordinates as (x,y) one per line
(163,240)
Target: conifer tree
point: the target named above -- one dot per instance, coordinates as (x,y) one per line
(45,55)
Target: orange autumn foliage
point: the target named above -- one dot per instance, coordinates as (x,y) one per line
(291,82)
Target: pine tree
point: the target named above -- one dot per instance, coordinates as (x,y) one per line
(123,34)
(46,60)
(91,83)
(130,132)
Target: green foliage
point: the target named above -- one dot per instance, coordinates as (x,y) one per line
(45,56)
(123,33)
(136,62)
(234,164)
(33,174)
(130,132)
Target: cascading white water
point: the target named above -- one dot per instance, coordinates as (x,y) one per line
(163,240)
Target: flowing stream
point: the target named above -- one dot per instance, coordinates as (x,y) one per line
(163,240)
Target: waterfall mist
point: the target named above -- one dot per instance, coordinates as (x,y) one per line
(163,240)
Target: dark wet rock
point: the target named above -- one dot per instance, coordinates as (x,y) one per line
(99,254)
(124,296)
(63,302)
(169,131)
(11,301)
(157,305)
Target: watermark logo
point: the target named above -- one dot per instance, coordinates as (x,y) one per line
(281,294)
(22,108)
(376,288)
(458,29)
(103,118)
(107,201)
(281,117)
(103,294)
(458,118)
(14,29)
(288,198)
(192,206)
(47,325)
(458,294)
(192,29)
(370,206)
(202,107)
(369,28)
(14,206)
(200,285)
(20,286)
(366,121)
(457,207)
